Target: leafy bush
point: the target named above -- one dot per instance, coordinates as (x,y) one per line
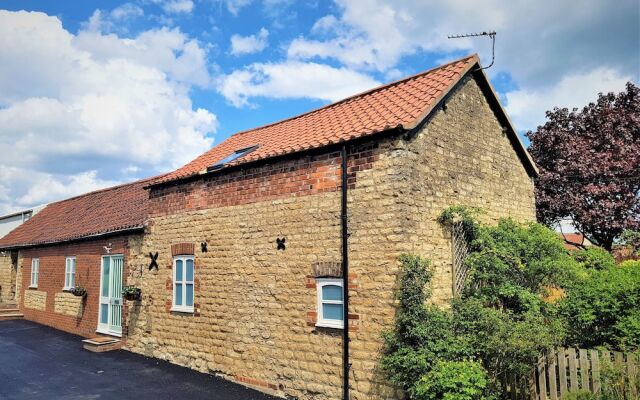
(631,239)
(594,258)
(603,308)
(581,395)
(423,333)
(453,380)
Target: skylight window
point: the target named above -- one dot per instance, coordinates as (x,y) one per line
(232,157)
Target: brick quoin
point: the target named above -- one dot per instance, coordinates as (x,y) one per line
(51,281)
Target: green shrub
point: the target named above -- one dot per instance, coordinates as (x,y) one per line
(631,239)
(453,380)
(581,395)
(603,308)
(594,258)
(423,333)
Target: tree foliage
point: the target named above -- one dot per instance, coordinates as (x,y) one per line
(589,163)
(602,308)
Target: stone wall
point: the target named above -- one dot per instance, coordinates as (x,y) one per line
(62,310)
(7,278)
(35,300)
(462,157)
(254,319)
(68,304)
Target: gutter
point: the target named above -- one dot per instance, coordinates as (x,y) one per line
(76,239)
(344,216)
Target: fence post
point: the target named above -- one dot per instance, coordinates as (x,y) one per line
(573,373)
(551,368)
(562,369)
(542,378)
(595,371)
(584,369)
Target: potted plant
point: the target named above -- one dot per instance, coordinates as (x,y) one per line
(79,291)
(131,292)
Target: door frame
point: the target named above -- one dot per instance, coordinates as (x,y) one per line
(101,327)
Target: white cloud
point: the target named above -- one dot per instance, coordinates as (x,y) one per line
(539,45)
(178,6)
(77,111)
(47,187)
(249,44)
(292,79)
(234,6)
(126,11)
(527,107)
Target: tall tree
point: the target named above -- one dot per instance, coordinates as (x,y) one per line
(589,163)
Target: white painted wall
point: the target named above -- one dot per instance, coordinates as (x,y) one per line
(11,221)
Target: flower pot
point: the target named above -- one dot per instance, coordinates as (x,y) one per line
(136,294)
(79,292)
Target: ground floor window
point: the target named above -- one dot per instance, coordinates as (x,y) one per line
(183,283)
(330,303)
(35,272)
(70,273)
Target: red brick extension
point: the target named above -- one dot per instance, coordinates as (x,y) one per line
(52,268)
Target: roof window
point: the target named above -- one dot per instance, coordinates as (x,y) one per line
(232,157)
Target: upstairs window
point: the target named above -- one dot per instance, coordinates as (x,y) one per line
(232,157)
(330,303)
(183,283)
(35,272)
(70,273)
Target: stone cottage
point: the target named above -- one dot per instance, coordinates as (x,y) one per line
(260,257)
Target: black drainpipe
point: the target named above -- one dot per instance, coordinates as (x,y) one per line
(345,279)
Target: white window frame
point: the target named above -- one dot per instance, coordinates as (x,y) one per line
(69,273)
(35,272)
(329,323)
(183,280)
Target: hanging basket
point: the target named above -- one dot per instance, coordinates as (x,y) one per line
(79,291)
(131,293)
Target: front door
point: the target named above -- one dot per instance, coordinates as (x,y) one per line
(110,312)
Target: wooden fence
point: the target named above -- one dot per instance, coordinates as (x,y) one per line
(573,370)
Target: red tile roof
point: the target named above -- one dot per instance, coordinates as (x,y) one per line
(401,104)
(574,241)
(119,208)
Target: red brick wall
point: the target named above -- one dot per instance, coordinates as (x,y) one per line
(302,176)
(51,280)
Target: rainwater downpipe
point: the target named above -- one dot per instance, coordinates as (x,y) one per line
(346,366)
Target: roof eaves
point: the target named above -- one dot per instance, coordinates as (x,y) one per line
(72,238)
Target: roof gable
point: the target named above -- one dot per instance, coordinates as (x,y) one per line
(398,105)
(116,209)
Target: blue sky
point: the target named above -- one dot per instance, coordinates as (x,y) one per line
(95,93)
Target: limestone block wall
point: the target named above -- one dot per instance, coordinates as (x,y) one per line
(255,304)
(6,280)
(35,300)
(462,156)
(68,304)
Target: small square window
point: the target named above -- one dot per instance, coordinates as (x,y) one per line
(330,303)
(183,283)
(35,272)
(70,274)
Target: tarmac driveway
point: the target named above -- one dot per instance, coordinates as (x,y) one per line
(38,362)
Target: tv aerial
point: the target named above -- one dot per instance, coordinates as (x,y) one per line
(490,34)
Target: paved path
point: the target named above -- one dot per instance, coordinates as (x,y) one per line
(38,363)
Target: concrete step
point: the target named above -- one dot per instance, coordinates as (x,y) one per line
(9,311)
(8,316)
(101,344)
(4,306)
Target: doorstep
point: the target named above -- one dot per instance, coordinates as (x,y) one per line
(101,344)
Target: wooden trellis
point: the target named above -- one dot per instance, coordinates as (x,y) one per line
(460,247)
